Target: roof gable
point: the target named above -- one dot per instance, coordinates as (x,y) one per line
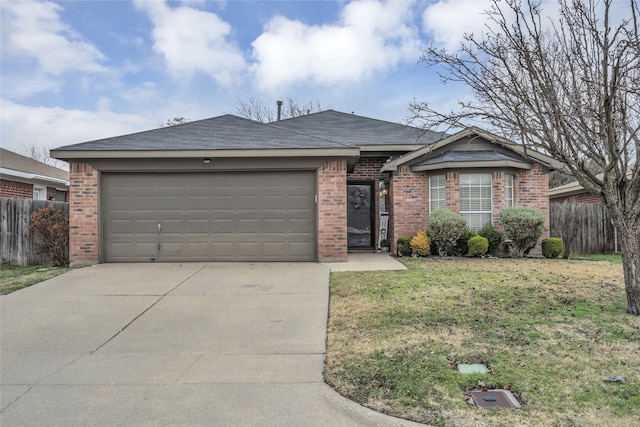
(514,156)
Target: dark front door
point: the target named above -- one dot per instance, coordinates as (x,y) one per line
(360,214)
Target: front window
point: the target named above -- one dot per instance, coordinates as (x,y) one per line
(508,190)
(475,199)
(437,192)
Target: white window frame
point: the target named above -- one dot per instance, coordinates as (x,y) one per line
(468,214)
(39,193)
(439,187)
(509,194)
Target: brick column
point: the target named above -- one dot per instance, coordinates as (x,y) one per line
(332,211)
(409,196)
(532,189)
(83,215)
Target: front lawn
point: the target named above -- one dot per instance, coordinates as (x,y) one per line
(13,278)
(549,331)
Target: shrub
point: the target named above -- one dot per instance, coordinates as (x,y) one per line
(51,227)
(552,247)
(446,228)
(384,243)
(403,246)
(478,246)
(462,245)
(433,248)
(524,226)
(492,235)
(420,243)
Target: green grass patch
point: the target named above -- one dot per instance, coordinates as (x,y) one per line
(612,258)
(13,278)
(549,331)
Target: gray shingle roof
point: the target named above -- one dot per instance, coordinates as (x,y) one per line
(470,156)
(226,132)
(17,162)
(357,130)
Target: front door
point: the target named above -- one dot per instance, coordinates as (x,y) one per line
(360,215)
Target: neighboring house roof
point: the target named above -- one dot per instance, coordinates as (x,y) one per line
(364,132)
(566,190)
(14,166)
(472,158)
(229,135)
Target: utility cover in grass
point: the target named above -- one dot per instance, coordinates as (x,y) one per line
(472,368)
(494,399)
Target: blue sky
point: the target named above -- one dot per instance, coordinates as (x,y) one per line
(75,71)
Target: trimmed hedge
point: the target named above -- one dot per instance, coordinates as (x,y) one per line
(478,246)
(524,226)
(552,247)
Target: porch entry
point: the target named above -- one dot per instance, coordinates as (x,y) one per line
(360,210)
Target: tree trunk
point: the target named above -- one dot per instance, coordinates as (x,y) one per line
(631,266)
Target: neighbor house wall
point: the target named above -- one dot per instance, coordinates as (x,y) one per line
(16,190)
(332,211)
(83,215)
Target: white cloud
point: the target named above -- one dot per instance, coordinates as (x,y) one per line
(193,40)
(33,31)
(447,21)
(370,37)
(56,126)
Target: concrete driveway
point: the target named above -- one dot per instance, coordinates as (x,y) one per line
(172,344)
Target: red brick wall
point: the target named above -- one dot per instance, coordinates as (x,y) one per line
(17,190)
(332,211)
(409,195)
(531,188)
(83,214)
(579,198)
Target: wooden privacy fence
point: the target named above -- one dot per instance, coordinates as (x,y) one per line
(17,244)
(595,232)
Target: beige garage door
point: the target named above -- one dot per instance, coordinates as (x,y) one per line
(244,216)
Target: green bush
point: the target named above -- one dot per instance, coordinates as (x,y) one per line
(403,246)
(478,246)
(462,245)
(552,247)
(433,248)
(492,235)
(445,228)
(524,226)
(420,243)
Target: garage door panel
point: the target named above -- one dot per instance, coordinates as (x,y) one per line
(248,216)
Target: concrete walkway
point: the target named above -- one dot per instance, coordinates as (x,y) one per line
(172,344)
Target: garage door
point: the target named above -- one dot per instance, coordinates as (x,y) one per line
(248,216)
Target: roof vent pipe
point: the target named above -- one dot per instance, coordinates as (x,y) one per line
(279,109)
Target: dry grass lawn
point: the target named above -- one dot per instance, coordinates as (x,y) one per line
(549,331)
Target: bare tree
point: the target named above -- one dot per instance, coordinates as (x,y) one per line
(175,121)
(569,87)
(41,153)
(261,111)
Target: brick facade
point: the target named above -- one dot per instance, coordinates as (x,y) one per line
(83,215)
(531,189)
(16,190)
(332,211)
(410,197)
